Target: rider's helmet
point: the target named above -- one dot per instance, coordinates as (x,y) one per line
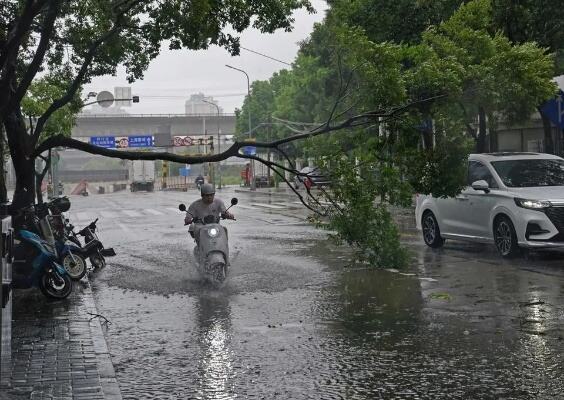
(207,188)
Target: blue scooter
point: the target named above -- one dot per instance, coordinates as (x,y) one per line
(35,262)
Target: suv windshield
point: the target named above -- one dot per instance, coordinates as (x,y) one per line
(530,173)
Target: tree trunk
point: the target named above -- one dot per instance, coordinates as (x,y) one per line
(481,143)
(24,164)
(547,127)
(3,147)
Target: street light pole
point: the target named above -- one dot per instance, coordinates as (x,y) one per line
(218,145)
(253,183)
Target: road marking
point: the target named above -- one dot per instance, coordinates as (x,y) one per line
(288,205)
(123,227)
(108,214)
(176,210)
(81,216)
(244,207)
(131,213)
(267,206)
(153,212)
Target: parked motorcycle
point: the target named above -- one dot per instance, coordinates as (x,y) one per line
(212,247)
(51,228)
(92,245)
(35,261)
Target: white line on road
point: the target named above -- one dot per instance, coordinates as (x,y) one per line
(123,227)
(131,213)
(153,212)
(244,207)
(267,206)
(82,216)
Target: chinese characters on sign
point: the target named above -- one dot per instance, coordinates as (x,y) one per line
(192,141)
(103,141)
(140,141)
(120,142)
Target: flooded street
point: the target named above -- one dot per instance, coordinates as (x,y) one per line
(294,321)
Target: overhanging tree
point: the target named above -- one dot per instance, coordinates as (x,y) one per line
(79,40)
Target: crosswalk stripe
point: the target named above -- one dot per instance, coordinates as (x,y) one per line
(82,216)
(267,206)
(131,213)
(153,212)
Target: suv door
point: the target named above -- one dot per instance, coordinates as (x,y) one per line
(476,215)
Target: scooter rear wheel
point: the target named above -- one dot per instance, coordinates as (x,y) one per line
(55,285)
(75,265)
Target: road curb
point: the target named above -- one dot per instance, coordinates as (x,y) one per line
(108,380)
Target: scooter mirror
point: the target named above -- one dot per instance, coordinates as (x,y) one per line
(182,207)
(234,201)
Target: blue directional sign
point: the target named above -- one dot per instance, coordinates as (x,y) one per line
(140,141)
(250,150)
(103,141)
(554,110)
(184,171)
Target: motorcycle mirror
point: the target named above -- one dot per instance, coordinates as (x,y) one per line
(182,207)
(234,201)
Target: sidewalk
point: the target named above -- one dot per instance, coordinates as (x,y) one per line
(58,350)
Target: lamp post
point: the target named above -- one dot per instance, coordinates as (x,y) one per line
(253,183)
(218,145)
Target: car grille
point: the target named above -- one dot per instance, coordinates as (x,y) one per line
(556,216)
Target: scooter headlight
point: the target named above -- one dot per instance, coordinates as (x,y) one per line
(213,232)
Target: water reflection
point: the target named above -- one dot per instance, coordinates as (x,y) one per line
(215,367)
(379,302)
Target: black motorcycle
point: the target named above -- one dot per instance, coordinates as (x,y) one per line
(96,250)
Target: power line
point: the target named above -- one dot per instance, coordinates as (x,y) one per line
(264,55)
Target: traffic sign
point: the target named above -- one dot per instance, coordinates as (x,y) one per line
(108,142)
(250,150)
(140,141)
(553,109)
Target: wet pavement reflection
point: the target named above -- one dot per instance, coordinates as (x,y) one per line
(295,321)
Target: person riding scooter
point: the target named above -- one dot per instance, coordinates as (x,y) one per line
(207,205)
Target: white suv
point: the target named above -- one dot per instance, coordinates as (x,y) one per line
(512,200)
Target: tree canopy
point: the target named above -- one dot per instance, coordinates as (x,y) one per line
(74,41)
(448,58)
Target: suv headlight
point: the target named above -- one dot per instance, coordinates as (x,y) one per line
(532,204)
(213,232)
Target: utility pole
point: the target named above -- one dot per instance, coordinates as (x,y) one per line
(253,183)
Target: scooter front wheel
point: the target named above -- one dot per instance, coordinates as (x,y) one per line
(55,285)
(75,265)
(98,261)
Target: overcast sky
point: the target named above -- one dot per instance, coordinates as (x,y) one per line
(174,75)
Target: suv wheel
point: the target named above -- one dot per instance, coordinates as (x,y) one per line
(505,237)
(431,231)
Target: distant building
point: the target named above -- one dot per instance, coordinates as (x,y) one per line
(199,104)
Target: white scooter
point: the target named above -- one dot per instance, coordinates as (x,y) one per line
(212,246)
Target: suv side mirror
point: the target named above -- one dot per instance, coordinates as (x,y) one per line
(481,185)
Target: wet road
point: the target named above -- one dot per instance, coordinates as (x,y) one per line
(295,322)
